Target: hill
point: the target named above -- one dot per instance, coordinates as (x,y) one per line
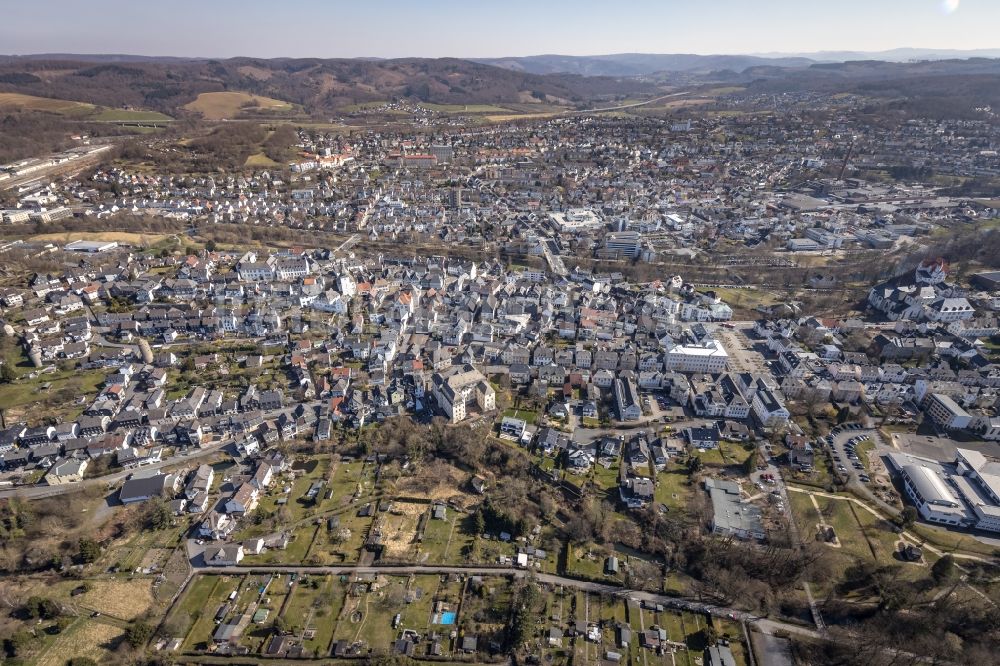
(638,64)
(942,88)
(222,105)
(318,86)
(17,101)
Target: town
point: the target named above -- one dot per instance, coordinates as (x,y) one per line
(695,389)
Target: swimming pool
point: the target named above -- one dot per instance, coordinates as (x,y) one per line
(447,617)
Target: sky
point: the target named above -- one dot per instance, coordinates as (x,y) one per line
(485,28)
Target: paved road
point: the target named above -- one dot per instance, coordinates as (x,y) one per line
(841,436)
(346,244)
(630,106)
(762,624)
(42,491)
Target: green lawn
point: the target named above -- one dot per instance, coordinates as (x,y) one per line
(710,457)
(204,625)
(672,488)
(465,108)
(734,453)
(123,115)
(54,393)
(315,609)
(864,450)
(588,562)
(444,540)
(194,603)
(527,416)
(606,478)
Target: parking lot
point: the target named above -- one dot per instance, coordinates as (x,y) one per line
(940,448)
(742,356)
(845,457)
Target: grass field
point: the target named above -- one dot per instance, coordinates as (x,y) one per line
(11,101)
(259,161)
(85,638)
(222,105)
(140,240)
(49,394)
(126,115)
(466,108)
(120,598)
(81,110)
(501,118)
(672,488)
(315,608)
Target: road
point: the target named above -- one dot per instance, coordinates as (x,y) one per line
(43,491)
(762,624)
(551,253)
(630,106)
(841,435)
(346,244)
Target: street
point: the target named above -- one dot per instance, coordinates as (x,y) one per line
(763,625)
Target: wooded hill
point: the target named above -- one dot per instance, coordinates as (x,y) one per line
(317,86)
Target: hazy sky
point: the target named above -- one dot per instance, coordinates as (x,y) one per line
(481,28)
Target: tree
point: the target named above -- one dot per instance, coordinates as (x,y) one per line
(7,374)
(41,608)
(907,517)
(710,634)
(479,523)
(90,550)
(211,246)
(157,514)
(137,633)
(20,642)
(944,570)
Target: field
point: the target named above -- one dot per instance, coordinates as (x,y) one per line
(65,107)
(49,394)
(673,489)
(315,609)
(122,599)
(126,115)
(465,108)
(81,110)
(501,118)
(223,105)
(85,638)
(259,161)
(140,240)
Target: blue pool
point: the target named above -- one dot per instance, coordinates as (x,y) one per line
(447,617)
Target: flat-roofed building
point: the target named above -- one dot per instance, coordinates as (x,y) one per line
(731,516)
(575,219)
(92,247)
(947,413)
(705,357)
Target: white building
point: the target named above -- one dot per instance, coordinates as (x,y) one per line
(455,391)
(575,219)
(706,357)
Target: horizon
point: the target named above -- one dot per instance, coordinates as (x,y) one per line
(971,53)
(446,28)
